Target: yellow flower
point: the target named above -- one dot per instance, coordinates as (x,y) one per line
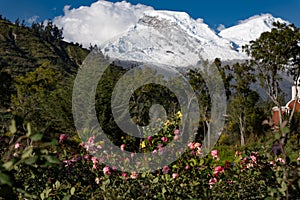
(179,114)
(167,123)
(143,145)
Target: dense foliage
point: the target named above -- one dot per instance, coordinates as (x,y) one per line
(42,156)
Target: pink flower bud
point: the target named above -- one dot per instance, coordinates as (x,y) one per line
(17,145)
(176,132)
(122,147)
(62,138)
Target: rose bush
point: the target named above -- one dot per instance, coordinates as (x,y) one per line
(35,167)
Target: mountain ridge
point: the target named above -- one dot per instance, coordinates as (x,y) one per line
(176,39)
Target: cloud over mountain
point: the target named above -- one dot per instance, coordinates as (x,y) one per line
(98,22)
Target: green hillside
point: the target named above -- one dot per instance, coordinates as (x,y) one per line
(24,49)
(35,65)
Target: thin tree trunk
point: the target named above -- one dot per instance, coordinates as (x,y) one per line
(242,131)
(208,134)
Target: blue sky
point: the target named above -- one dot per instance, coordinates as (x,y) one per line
(214,12)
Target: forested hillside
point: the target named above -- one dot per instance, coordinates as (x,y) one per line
(27,54)
(25,48)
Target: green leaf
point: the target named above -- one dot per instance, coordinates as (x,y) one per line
(286,130)
(155,180)
(28,130)
(143,174)
(8,165)
(31,161)
(13,127)
(67,197)
(193,162)
(52,159)
(36,137)
(72,191)
(26,153)
(5,179)
(57,184)
(201,162)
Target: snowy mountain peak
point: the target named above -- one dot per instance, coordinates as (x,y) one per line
(250,29)
(170,38)
(267,19)
(168,15)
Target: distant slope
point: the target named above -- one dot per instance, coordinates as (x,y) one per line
(249,29)
(23,49)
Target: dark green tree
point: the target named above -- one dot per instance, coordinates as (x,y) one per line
(32,95)
(274,53)
(243,100)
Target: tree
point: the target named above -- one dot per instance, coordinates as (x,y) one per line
(32,93)
(204,83)
(243,100)
(272,54)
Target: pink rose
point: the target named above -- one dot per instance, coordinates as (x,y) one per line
(175,175)
(91,140)
(164,139)
(191,145)
(215,154)
(280,160)
(187,167)
(62,138)
(134,175)
(176,132)
(95,160)
(218,169)
(86,156)
(82,144)
(211,182)
(106,171)
(97,180)
(165,169)
(254,156)
(149,138)
(176,137)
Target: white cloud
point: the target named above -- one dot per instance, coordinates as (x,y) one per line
(221,27)
(98,22)
(32,19)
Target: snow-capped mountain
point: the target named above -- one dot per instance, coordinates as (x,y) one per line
(175,39)
(249,29)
